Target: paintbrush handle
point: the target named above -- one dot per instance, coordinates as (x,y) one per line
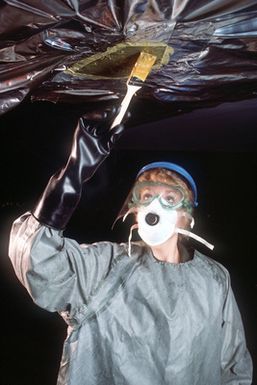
(131,90)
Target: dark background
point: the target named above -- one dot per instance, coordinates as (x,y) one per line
(218,147)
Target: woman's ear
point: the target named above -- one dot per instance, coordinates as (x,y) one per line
(185,220)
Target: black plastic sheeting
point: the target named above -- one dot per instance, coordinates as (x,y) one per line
(214,42)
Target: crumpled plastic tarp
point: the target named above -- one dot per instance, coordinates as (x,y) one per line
(214,43)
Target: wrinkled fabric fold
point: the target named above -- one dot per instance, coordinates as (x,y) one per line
(214,49)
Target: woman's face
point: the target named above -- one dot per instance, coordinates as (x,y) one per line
(158,212)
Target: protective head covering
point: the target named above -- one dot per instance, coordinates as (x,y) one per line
(157,203)
(175,168)
(133,196)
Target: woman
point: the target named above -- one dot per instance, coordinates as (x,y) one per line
(148,312)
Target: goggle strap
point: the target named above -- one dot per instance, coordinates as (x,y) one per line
(194,236)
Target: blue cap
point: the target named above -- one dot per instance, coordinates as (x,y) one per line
(176,168)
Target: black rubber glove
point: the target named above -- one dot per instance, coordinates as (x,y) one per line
(92,143)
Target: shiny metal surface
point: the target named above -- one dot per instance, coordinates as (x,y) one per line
(214,46)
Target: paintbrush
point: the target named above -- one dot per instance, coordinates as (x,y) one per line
(135,81)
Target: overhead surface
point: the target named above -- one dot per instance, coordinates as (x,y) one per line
(214,45)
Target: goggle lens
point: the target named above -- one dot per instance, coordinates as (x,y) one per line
(145,192)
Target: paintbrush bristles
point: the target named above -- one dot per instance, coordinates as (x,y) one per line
(143,66)
(138,74)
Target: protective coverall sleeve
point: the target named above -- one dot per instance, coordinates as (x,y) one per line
(59,274)
(236,362)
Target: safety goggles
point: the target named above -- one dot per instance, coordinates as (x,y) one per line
(170,196)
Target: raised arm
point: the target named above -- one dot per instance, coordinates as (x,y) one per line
(92,143)
(59,274)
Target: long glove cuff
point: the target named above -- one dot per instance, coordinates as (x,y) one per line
(58,202)
(63,192)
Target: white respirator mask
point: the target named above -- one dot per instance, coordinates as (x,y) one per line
(156,224)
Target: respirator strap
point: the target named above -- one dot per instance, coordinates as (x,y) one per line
(194,236)
(133,227)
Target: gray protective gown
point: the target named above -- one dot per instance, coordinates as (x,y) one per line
(133,320)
